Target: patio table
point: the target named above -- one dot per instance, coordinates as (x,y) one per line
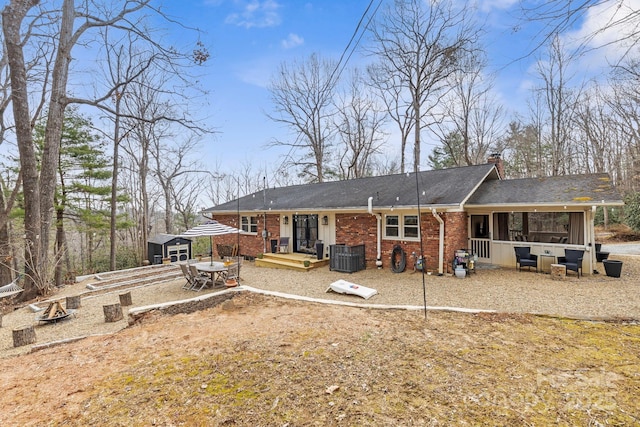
(217,270)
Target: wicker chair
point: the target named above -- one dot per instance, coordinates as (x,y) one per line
(572,259)
(524,258)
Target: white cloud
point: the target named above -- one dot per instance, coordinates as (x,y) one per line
(488,5)
(293,40)
(255,13)
(605,28)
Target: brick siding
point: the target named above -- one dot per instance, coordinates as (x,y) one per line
(357,229)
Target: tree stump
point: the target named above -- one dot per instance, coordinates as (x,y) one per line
(125,299)
(24,336)
(73,302)
(558,271)
(112,313)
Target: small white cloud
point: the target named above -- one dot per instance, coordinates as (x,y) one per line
(255,13)
(293,40)
(489,5)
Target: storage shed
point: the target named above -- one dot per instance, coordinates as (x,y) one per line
(168,246)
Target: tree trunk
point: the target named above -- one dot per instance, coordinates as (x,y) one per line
(24,336)
(112,313)
(125,299)
(416,130)
(114,213)
(53,130)
(12,17)
(5,248)
(144,219)
(73,302)
(114,183)
(168,210)
(60,247)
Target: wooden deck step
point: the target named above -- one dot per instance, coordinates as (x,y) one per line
(290,261)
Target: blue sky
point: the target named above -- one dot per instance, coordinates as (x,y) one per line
(248,39)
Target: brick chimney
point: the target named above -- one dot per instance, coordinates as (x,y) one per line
(495,159)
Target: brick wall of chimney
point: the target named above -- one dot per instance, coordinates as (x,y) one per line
(496,159)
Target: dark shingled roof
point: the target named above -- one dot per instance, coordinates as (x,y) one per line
(161,239)
(443,187)
(592,189)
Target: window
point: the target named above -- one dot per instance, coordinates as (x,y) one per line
(545,227)
(411,226)
(250,224)
(405,227)
(391,228)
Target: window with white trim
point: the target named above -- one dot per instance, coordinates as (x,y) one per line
(411,227)
(401,227)
(392,228)
(249,224)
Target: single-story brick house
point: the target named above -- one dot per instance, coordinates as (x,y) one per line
(469,207)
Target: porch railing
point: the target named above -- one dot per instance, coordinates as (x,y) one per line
(481,247)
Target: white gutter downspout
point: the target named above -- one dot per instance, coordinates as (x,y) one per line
(379,232)
(441,244)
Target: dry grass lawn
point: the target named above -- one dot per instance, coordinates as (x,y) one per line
(263,361)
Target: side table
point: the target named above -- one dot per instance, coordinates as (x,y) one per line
(542,263)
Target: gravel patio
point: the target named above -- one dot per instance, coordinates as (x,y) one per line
(596,297)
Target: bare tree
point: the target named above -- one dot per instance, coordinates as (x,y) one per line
(360,129)
(419,45)
(302,94)
(473,111)
(596,129)
(124,64)
(391,91)
(173,162)
(625,105)
(620,26)
(147,112)
(186,193)
(521,152)
(6,200)
(599,130)
(70,24)
(539,151)
(559,100)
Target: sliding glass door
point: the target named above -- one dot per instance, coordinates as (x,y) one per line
(305,230)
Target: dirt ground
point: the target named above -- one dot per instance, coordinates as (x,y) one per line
(260,360)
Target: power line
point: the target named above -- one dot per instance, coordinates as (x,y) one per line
(351,40)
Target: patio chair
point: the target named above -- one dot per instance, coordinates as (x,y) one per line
(187,275)
(283,245)
(572,259)
(233,274)
(200,280)
(524,258)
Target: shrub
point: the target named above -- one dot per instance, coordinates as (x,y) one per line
(632,211)
(614,215)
